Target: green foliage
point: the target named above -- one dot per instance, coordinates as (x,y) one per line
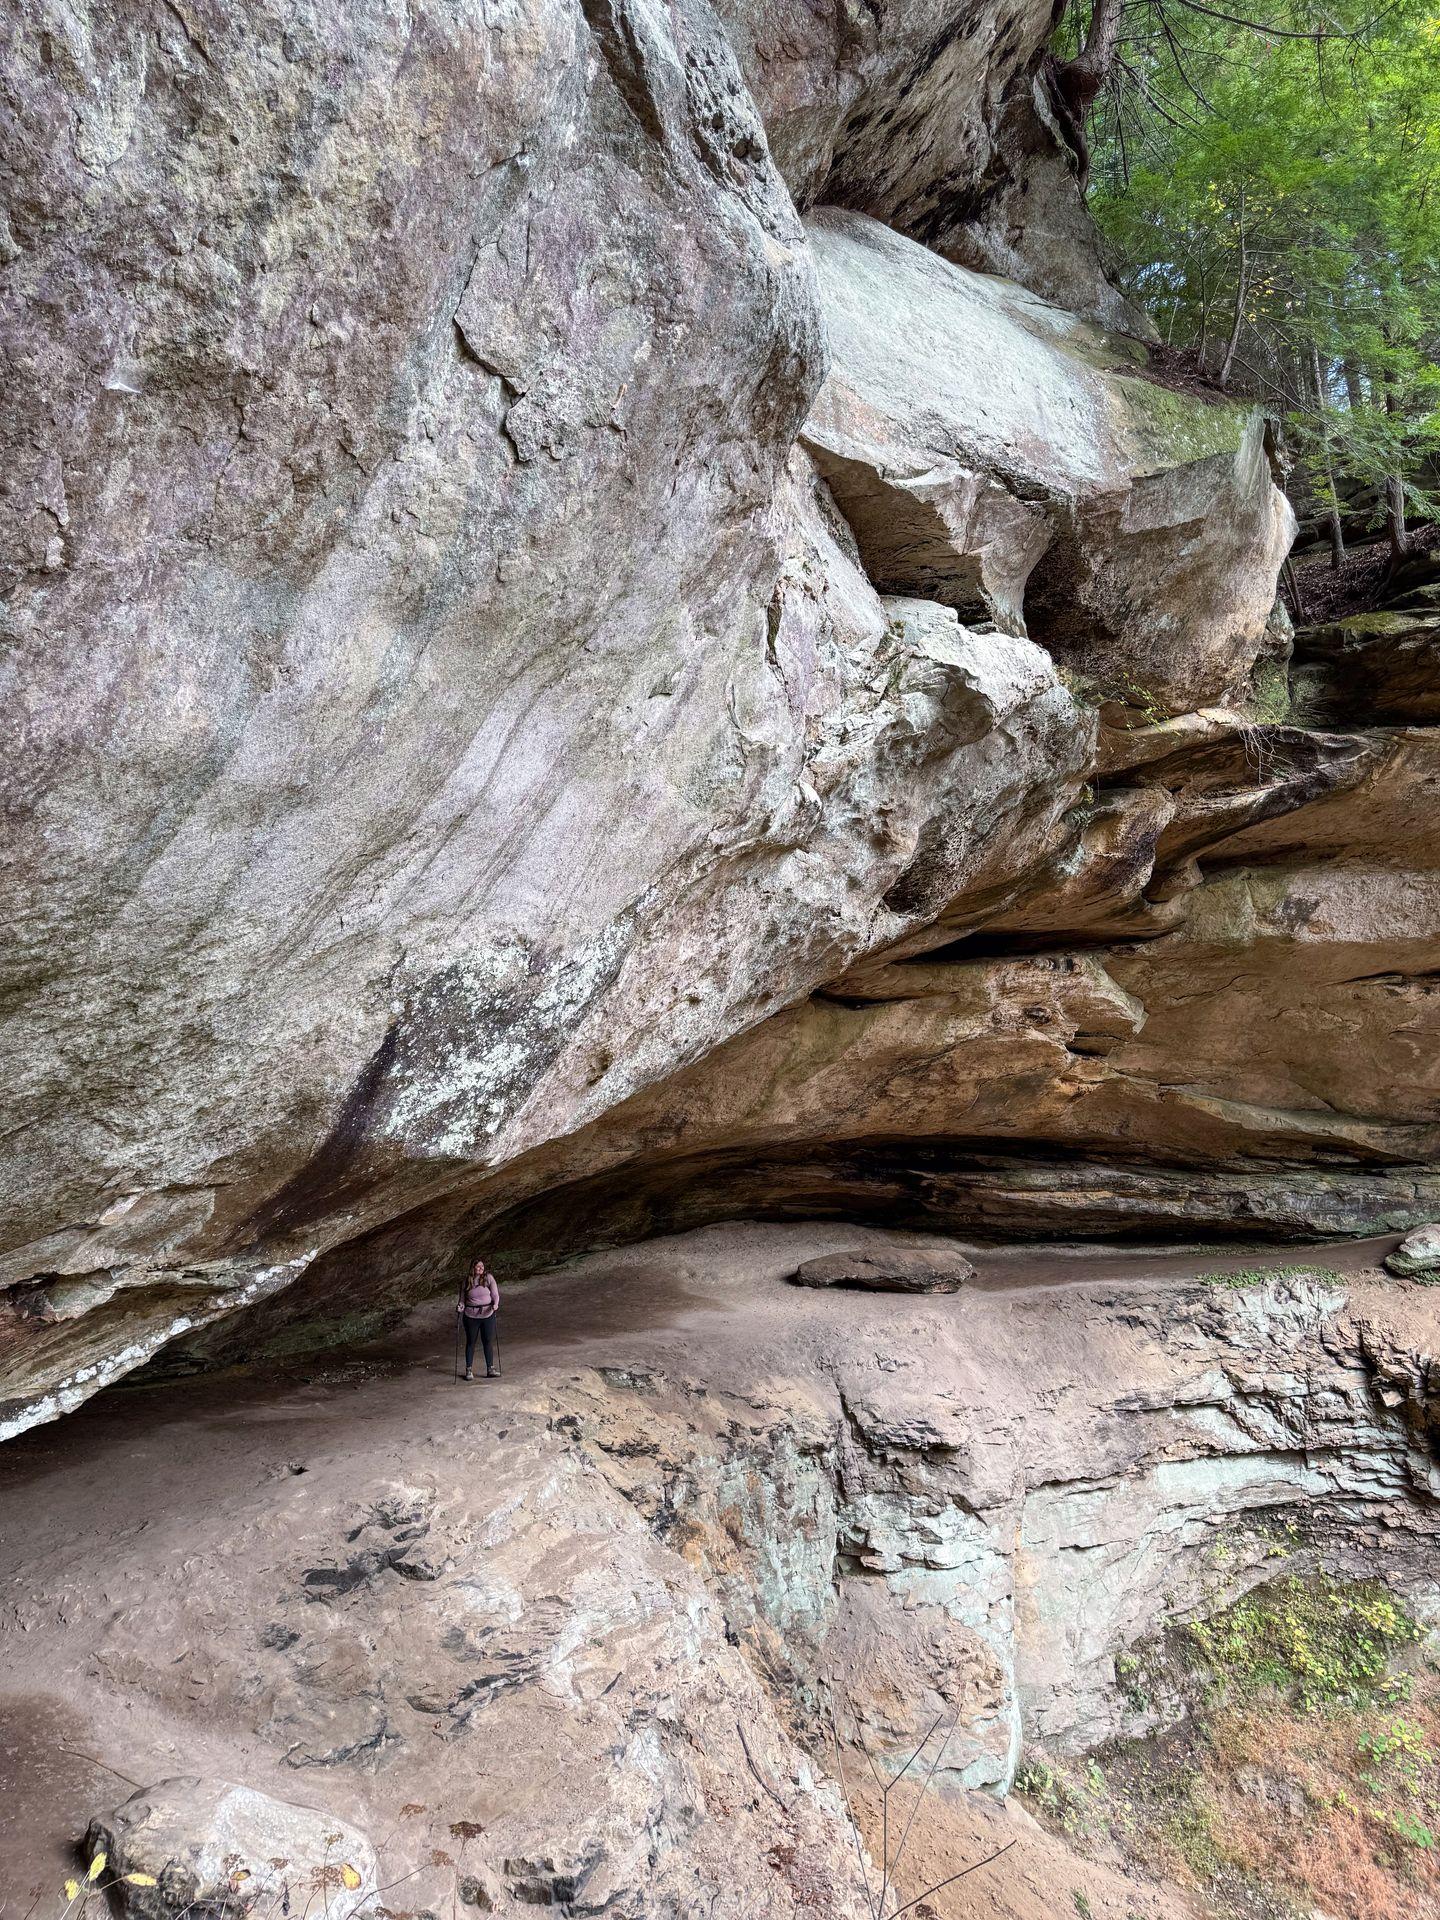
(1270,703)
(1410,1829)
(1187,1823)
(1247,1277)
(1399,1751)
(1132,1682)
(1317,1643)
(1285,1778)
(1272,198)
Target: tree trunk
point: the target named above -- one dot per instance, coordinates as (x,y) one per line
(1290,580)
(1337,539)
(1337,532)
(1082,78)
(1074,86)
(1203,346)
(1241,287)
(1395,527)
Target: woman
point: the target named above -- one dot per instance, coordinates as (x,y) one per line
(479,1305)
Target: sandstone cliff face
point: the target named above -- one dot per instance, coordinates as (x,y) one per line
(580,665)
(445,700)
(539,675)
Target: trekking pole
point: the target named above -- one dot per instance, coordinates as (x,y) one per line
(457,1346)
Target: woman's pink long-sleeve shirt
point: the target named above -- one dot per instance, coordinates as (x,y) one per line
(480,1298)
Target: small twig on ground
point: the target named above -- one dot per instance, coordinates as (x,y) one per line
(885,1791)
(940,1885)
(750,1762)
(923,1789)
(854,1828)
(96,1761)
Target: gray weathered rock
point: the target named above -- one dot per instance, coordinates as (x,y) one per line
(935,119)
(1383,665)
(216,1847)
(1133,530)
(335,390)
(1418,1254)
(893,107)
(888,1270)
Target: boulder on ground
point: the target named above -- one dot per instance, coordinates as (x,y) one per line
(888,1270)
(1417,1254)
(211,1846)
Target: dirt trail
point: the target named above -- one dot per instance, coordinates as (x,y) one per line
(710,1293)
(709,1305)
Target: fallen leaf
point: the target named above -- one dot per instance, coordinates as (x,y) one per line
(349,1876)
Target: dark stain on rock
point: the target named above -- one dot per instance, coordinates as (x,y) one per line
(334,1174)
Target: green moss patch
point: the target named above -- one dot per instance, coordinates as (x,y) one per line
(1301,1768)
(1170,429)
(1316,1643)
(1244,1278)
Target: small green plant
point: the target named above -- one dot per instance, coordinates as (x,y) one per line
(1401,1750)
(1413,1832)
(1037,1781)
(1128,691)
(1317,1643)
(1130,1678)
(1069,1800)
(1270,703)
(1243,1278)
(1082,1902)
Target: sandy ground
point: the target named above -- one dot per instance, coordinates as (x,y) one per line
(705,1304)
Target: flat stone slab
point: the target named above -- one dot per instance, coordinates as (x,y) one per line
(888,1270)
(1417,1253)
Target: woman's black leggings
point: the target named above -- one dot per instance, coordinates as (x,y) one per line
(485,1330)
